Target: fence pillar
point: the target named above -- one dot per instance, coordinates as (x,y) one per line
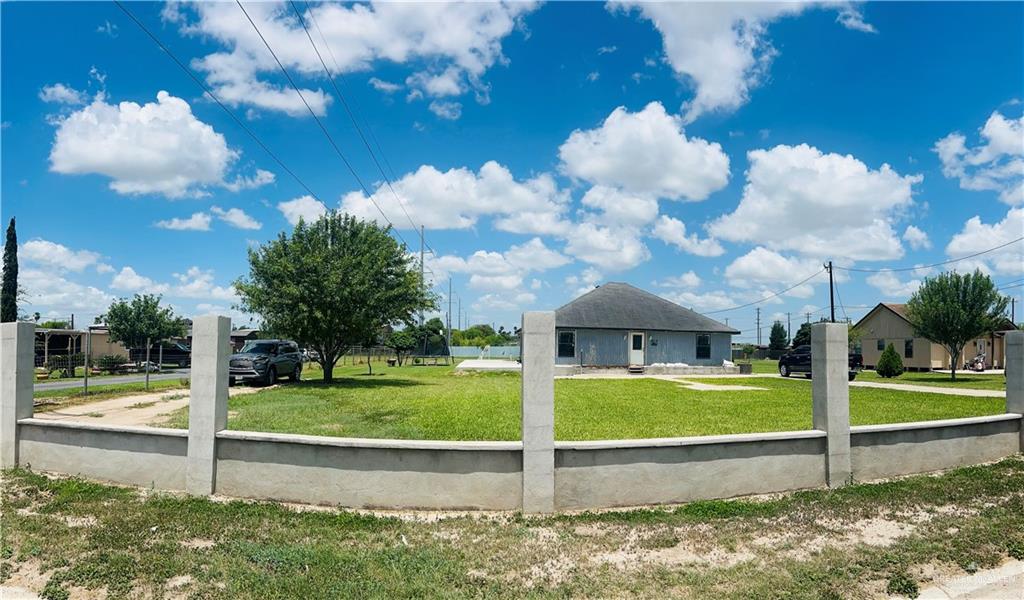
(830,392)
(208,402)
(1015,376)
(17,371)
(538,399)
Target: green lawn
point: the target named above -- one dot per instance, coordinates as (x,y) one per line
(974,381)
(70,536)
(439,404)
(763,365)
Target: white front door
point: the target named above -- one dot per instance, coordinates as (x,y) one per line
(636,348)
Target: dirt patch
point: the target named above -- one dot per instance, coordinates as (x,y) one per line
(198,544)
(550,573)
(178,581)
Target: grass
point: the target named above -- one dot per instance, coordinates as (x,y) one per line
(84,536)
(47,400)
(439,404)
(762,366)
(972,381)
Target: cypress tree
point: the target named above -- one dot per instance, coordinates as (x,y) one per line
(9,291)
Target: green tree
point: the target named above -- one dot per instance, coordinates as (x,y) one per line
(9,289)
(53,324)
(951,309)
(777,340)
(132,322)
(402,342)
(331,284)
(889,364)
(803,335)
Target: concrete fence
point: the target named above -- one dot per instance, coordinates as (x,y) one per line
(536,475)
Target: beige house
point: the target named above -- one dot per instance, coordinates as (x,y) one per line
(887,324)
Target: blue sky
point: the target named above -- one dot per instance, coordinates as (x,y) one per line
(714,154)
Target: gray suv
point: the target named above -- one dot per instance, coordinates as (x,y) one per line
(265,361)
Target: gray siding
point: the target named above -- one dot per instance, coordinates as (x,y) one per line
(609,348)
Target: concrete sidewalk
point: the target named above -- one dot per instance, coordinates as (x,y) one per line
(1002,583)
(135,410)
(930,389)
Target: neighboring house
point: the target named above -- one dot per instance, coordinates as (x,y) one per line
(62,342)
(618,325)
(887,324)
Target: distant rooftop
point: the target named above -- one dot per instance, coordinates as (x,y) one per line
(617,305)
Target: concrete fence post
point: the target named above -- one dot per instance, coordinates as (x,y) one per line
(830,392)
(17,371)
(1015,376)
(208,402)
(538,406)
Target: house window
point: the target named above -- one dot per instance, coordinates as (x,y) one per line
(908,348)
(881,344)
(703,346)
(566,344)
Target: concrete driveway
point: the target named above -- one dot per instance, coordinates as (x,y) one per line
(67,384)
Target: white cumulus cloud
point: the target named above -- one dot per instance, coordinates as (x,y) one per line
(236,218)
(722,47)
(199,221)
(59,93)
(306,208)
(977,236)
(154,148)
(58,256)
(646,152)
(457,198)
(673,231)
(458,41)
(917,238)
(799,198)
(996,164)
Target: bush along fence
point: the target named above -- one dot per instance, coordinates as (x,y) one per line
(536,474)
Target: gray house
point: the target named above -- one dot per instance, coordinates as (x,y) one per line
(618,325)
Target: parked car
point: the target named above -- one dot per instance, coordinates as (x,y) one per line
(265,361)
(174,353)
(798,360)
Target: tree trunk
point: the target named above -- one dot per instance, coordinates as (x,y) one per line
(327,364)
(369,361)
(954,357)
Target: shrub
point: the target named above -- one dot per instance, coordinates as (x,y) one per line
(889,364)
(111,363)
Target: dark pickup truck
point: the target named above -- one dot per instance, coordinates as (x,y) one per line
(799,361)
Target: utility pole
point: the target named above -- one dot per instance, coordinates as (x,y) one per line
(448,329)
(808,317)
(1013,311)
(789,328)
(758,321)
(831,292)
(423,281)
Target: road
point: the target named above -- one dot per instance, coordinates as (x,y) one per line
(66,384)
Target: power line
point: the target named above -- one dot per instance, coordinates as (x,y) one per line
(323,128)
(209,92)
(938,264)
(766,298)
(840,298)
(344,103)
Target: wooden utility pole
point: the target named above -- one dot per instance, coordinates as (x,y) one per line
(831,293)
(789,328)
(758,321)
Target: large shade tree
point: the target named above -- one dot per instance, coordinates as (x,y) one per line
(138,320)
(952,309)
(331,284)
